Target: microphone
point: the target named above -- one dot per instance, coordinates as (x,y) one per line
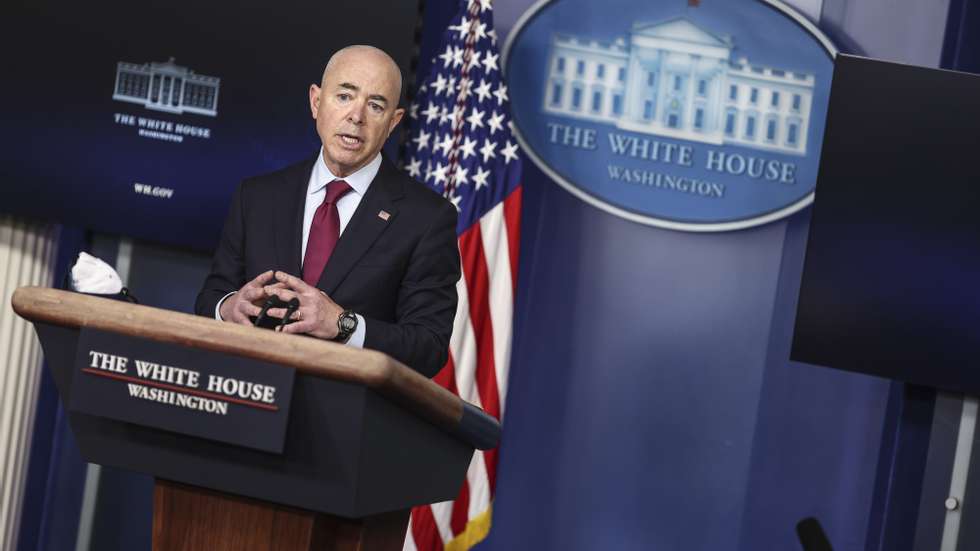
(812,536)
(263,320)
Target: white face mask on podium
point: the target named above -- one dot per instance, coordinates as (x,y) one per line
(93,276)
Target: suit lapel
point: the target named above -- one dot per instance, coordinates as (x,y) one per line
(288,218)
(365,227)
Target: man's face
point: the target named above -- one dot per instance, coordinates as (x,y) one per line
(356,108)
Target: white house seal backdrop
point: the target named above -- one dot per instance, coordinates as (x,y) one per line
(690,115)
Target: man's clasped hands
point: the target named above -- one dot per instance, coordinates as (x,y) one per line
(317,314)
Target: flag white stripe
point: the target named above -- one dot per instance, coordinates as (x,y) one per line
(462,345)
(479,485)
(443,513)
(496,249)
(409,544)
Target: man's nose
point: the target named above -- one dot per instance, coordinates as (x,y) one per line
(356,113)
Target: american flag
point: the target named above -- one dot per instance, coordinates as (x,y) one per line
(462,145)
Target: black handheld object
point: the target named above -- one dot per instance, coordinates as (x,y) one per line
(268,322)
(812,536)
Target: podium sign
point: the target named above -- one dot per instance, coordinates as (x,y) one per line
(230,399)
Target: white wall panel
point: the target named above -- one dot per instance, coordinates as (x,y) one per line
(27,253)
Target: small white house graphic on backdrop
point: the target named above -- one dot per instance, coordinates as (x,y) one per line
(166,87)
(678,80)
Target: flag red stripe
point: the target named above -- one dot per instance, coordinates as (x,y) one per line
(424,530)
(490,459)
(512,217)
(446,378)
(461,510)
(478,286)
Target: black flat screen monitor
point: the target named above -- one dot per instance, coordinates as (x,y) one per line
(141,118)
(891,282)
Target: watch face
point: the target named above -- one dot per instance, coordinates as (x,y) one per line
(348,322)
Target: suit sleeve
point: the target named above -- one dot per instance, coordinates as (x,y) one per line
(228,267)
(426,303)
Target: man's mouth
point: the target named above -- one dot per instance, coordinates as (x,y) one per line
(349,140)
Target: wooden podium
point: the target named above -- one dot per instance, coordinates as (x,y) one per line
(367,438)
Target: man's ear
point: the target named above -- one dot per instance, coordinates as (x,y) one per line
(314,100)
(395,119)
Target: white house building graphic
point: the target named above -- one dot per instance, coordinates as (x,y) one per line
(677,80)
(166,87)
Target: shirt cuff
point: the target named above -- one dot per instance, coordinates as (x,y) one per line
(357,337)
(217,307)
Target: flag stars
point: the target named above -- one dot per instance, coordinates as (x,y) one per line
(475,59)
(500,93)
(447,56)
(468,147)
(439,173)
(488,149)
(483,90)
(439,84)
(463,28)
(457,56)
(431,112)
(481,31)
(422,140)
(509,152)
(480,178)
(496,122)
(414,168)
(475,119)
(456,119)
(456,200)
(460,177)
(446,144)
(490,62)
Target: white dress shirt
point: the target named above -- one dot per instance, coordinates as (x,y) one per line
(320,176)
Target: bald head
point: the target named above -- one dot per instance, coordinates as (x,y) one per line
(356,107)
(361,53)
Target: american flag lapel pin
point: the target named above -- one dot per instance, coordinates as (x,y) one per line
(384,215)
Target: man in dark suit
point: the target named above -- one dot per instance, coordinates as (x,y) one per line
(370,253)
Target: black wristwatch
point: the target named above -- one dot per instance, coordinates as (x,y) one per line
(346,325)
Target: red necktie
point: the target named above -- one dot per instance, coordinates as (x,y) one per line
(324,232)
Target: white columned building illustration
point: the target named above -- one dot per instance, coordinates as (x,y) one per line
(166,87)
(678,80)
